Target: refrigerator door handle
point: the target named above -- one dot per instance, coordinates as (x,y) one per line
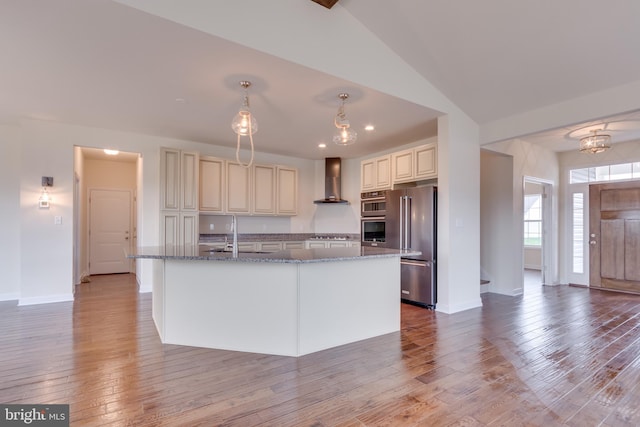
(401,222)
(407,227)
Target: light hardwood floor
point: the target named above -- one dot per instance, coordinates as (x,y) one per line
(560,356)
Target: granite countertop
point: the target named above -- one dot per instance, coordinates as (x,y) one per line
(291,256)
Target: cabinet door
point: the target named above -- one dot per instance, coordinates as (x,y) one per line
(169,179)
(247,246)
(426,161)
(368,175)
(313,244)
(189,233)
(292,245)
(189,181)
(270,246)
(170,231)
(211,184)
(287,193)
(238,188)
(383,172)
(402,166)
(264,190)
(340,244)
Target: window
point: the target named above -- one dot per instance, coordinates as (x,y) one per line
(533,219)
(578,233)
(605,173)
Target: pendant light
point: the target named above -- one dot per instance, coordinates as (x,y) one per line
(595,143)
(345,135)
(244,123)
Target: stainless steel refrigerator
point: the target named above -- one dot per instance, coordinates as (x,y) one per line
(411,222)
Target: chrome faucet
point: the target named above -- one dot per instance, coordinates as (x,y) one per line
(234,226)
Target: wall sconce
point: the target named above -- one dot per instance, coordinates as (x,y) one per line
(45,198)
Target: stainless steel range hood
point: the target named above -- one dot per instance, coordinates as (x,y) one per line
(332,176)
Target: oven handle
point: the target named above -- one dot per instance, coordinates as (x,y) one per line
(372,218)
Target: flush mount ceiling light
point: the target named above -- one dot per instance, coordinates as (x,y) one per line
(110,152)
(595,143)
(244,124)
(345,135)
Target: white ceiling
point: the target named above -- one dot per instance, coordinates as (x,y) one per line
(103,64)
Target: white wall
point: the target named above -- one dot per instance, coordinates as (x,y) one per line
(458,214)
(10,161)
(530,160)
(497,224)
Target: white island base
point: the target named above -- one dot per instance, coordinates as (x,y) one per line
(288,309)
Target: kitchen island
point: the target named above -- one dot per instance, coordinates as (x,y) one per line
(291,302)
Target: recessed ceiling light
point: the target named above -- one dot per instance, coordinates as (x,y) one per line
(322,145)
(111,152)
(369,128)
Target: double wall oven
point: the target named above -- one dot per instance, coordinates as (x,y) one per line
(373,212)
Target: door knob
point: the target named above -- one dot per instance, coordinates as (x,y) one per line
(592,242)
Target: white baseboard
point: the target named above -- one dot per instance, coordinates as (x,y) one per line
(9,297)
(450,309)
(45,299)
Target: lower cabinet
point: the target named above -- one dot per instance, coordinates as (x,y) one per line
(269,246)
(315,244)
(179,229)
(292,245)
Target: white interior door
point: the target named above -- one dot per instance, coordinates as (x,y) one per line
(109,231)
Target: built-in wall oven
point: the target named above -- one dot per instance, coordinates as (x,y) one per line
(373,207)
(372,232)
(373,203)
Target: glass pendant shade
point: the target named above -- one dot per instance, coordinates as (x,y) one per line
(345,135)
(596,143)
(244,123)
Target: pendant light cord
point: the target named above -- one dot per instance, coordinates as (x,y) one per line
(248,165)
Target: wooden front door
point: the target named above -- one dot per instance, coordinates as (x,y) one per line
(614,236)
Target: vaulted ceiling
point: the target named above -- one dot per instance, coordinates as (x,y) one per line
(105,64)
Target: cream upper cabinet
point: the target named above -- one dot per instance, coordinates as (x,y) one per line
(383,172)
(189,181)
(238,188)
(212,178)
(368,175)
(375,174)
(415,164)
(264,190)
(170,179)
(426,157)
(178,180)
(287,191)
(403,166)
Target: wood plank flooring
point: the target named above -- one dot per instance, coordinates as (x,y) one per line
(554,356)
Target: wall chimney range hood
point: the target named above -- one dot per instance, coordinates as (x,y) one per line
(332,172)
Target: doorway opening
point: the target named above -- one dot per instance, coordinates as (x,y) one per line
(105,211)
(536,233)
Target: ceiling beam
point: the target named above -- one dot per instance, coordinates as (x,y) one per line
(326,3)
